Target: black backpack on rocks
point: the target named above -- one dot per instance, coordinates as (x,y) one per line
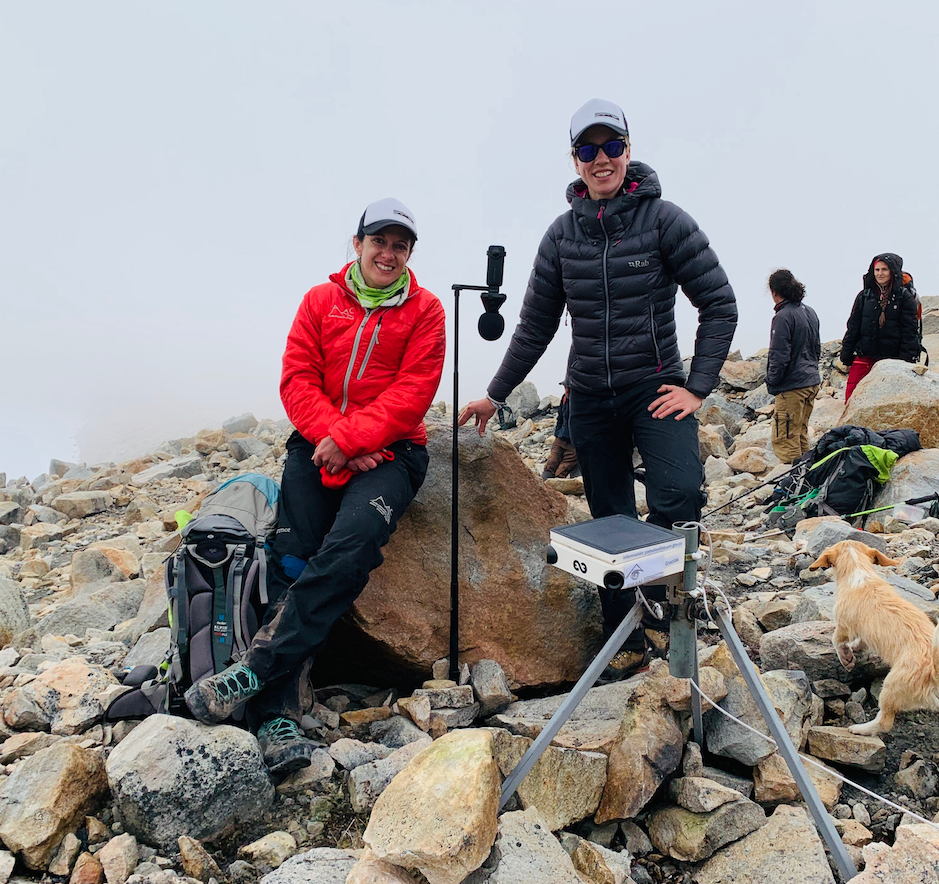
(216,586)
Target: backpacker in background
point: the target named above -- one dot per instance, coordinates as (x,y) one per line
(216,585)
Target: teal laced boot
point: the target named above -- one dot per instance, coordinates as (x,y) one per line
(217,697)
(284,746)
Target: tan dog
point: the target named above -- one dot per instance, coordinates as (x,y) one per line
(869,612)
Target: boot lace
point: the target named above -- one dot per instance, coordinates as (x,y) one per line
(235,683)
(282,730)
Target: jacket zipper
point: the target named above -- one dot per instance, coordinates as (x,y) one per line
(655,340)
(606,294)
(371,346)
(355,350)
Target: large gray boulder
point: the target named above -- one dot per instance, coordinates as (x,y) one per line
(14,612)
(171,777)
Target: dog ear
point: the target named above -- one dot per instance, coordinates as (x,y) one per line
(823,561)
(878,558)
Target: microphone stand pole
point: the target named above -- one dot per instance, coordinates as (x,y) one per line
(455,489)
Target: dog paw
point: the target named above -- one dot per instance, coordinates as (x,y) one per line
(865,730)
(846,658)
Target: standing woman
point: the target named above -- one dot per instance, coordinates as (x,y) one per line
(792,365)
(882,324)
(616,260)
(362,364)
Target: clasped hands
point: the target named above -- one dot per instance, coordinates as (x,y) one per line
(329,455)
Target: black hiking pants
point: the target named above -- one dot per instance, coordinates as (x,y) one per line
(604,430)
(328,542)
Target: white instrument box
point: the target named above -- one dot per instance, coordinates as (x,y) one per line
(616,551)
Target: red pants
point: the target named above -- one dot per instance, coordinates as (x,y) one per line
(860,369)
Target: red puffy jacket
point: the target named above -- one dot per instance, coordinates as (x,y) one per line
(364,377)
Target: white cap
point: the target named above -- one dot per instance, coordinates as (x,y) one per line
(598,112)
(384,213)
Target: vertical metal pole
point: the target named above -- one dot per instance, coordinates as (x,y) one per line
(455,501)
(784,744)
(683,632)
(571,701)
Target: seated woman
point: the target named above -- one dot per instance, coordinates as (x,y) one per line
(357,458)
(882,324)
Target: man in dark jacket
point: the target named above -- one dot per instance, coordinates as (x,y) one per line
(792,365)
(615,260)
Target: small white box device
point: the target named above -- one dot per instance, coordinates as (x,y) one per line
(616,551)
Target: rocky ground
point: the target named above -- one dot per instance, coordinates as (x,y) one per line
(627,796)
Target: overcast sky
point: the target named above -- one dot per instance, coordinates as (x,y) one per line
(175,175)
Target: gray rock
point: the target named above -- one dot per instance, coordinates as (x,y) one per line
(368,781)
(79,504)
(14,612)
(40,513)
(351,754)
(807,646)
(324,865)
(490,686)
(101,608)
(523,400)
(692,837)
(173,777)
(243,423)
(150,649)
(177,468)
(10,512)
(397,731)
(758,397)
(818,602)
(830,533)
(244,447)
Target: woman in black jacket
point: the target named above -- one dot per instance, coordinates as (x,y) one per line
(615,260)
(882,324)
(792,365)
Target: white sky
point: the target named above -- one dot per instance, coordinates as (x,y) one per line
(175,175)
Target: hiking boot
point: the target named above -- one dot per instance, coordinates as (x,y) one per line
(657,643)
(284,746)
(215,698)
(624,664)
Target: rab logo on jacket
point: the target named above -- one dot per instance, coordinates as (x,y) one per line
(383,508)
(339,313)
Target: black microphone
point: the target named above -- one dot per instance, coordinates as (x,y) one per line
(491,324)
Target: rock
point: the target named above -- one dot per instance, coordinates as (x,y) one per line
(742,375)
(842,747)
(79,504)
(247,446)
(10,512)
(397,731)
(748,460)
(787,848)
(65,856)
(758,398)
(565,785)
(87,870)
(525,852)
(39,535)
(439,814)
(913,475)
(350,754)
(243,423)
(119,858)
(14,612)
(90,566)
(149,649)
(774,784)
(25,744)
(101,608)
(678,690)
(271,850)
(368,781)
(47,796)
(172,777)
(919,778)
(540,624)
(417,709)
(371,870)
(646,750)
(692,837)
(895,395)
(914,858)
(178,468)
(317,774)
(711,444)
(715,469)
(827,533)
(68,695)
(210,441)
(700,794)
(197,861)
(523,401)
(490,687)
(324,865)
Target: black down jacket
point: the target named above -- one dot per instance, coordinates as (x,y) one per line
(616,265)
(794,349)
(899,337)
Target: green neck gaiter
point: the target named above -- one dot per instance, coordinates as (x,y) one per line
(371,297)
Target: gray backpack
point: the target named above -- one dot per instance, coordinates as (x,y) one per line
(216,586)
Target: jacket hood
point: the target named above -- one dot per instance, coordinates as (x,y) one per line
(894,262)
(644,178)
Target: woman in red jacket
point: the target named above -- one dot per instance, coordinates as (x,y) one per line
(363,360)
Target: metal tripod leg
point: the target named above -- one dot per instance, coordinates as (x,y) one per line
(788,751)
(683,631)
(566,709)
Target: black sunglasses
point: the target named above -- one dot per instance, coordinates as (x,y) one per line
(587,153)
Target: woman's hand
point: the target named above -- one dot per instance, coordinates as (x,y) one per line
(328,454)
(482,410)
(365,462)
(674,400)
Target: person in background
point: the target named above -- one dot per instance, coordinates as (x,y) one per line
(355,461)
(616,260)
(792,374)
(882,324)
(562,459)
